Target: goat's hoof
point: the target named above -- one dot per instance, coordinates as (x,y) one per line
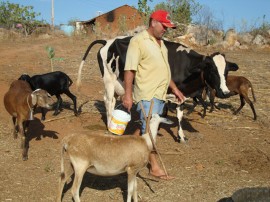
(56,113)
(25,158)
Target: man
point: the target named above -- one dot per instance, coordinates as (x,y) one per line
(147,65)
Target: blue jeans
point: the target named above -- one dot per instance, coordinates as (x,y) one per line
(157,109)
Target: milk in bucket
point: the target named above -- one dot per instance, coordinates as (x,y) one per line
(119,122)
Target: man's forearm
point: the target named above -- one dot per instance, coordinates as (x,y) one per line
(128,81)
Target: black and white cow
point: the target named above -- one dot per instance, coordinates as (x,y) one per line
(186,67)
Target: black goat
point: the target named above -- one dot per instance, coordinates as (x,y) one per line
(55,83)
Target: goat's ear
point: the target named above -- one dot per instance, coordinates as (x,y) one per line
(34,98)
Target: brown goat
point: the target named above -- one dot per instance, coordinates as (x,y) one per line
(19,102)
(237,85)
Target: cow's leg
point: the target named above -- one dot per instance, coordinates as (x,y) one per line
(74,99)
(109,100)
(179,113)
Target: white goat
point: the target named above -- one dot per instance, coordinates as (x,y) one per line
(107,155)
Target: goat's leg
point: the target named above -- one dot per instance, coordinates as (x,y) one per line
(42,114)
(253,110)
(180,112)
(132,187)
(15,131)
(74,99)
(79,170)
(241,105)
(251,106)
(195,103)
(65,175)
(22,134)
(58,105)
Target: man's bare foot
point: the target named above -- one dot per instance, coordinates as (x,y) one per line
(161,175)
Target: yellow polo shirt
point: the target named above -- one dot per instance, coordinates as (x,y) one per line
(150,62)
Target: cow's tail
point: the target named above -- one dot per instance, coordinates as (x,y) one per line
(103,42)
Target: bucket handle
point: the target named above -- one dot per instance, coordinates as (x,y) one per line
(123,108)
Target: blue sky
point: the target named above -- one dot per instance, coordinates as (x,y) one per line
(231,13)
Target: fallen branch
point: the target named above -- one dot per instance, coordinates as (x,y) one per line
(263,153)
(63,117)
(243,127)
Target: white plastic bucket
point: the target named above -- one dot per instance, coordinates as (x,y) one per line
(119,122)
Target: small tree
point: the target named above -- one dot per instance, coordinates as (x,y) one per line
(181,11)
(145,10)
(51,54)
(205,18)
(12,14)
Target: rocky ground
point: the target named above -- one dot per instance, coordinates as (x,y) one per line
(224,152)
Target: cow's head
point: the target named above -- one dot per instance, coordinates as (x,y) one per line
(215,70)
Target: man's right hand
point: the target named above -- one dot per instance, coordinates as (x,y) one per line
(127,101)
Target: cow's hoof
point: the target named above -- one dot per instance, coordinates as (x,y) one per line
(179,140)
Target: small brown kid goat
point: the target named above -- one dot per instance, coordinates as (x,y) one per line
(237,85)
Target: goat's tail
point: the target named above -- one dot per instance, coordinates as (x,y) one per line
(63,149)
(70,82)
(62,179)
(103,42)
(252,91)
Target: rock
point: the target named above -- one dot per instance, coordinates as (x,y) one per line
(259,40)
(230,37)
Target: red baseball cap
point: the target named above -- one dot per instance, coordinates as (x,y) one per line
(163,17)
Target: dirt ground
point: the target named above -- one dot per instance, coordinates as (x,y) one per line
(224,152)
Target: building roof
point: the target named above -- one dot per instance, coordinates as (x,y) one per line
(93,19)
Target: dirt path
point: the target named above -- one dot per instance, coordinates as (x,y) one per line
(224,152)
